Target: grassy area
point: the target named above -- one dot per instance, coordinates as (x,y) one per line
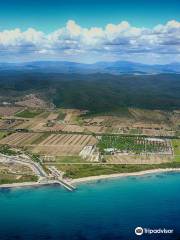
(61,115)
(2,134)
(85,170)
(135,131)
(10,178)
(176,146)
(177,158)
(69,159)
(28,113)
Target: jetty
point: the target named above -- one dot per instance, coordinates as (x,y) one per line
(59,178)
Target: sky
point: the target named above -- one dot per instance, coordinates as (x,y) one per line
(90,30)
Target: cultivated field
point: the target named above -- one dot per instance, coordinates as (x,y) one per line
(64,144)
(20,139)
(50,144)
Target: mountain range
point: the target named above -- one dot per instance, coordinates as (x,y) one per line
(116,68)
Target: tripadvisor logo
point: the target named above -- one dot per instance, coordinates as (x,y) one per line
(139,231)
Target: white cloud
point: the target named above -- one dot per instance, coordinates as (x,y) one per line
(116,41)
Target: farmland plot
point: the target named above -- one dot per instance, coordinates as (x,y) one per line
(137,159)
(95,129)
(20,139)
(10,123)
(64,144)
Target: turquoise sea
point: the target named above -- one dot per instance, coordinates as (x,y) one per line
(103,210)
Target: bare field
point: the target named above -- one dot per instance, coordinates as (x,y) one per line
(67,128)
(52,116)
(96,129)
(9,111)
(71,115)
(140,159)
(10,123)
(32,101)
(14,168)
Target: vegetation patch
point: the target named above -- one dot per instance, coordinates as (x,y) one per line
(61,115)
(3,134)
(41,138)
(86,170)
(28,113)
(6,150)
(68,159)
(10,178)
(132,144)
(176,146)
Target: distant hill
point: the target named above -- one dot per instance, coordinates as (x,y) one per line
(98,92)
(116,68)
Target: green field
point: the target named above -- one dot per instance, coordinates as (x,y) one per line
(2,134)
(28,113)
(86,170)
(69,159)
(136,144)
(11,178)
(176,146)
(61,115)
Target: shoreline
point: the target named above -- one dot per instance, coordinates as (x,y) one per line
(90,178)
(119,175)
(26,184)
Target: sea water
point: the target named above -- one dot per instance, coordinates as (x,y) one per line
(103,210)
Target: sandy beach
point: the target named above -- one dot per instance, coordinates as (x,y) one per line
(118,175)
(89,179)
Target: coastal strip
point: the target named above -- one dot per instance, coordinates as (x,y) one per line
(27,184)
(90,178)
(119,175)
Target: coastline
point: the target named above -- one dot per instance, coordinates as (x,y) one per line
(90,178)
(119,175)
(26,184)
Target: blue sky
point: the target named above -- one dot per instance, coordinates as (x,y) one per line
(48,15)
(64,35)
